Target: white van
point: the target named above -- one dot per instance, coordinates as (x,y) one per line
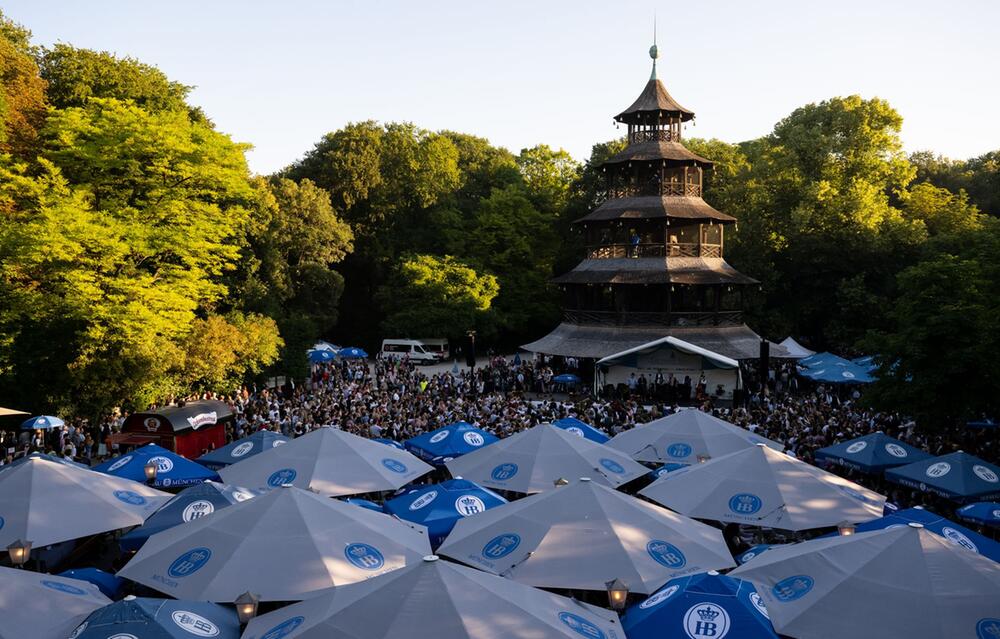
(409,349)
(438,346)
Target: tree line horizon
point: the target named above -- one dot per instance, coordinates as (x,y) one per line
(141,260)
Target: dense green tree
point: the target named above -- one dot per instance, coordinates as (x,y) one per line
(22,92)
(548,177)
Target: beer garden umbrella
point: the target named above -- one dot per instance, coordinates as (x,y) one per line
(959,476)
(986,513)
(439,506)
(448,442)
(581,429)
(39,606)
(242,449)
(872,453)
(149,618)
(172,470)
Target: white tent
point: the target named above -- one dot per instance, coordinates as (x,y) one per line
(795,350)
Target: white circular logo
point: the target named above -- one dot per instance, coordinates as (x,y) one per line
(472,438)
(985,473)
(239,495)
(242,449)
(939,469)
(706,620)
(958,538)
(659,597)
(423,500)
(118,464)
(198,509)
(847,374)
(195,624)
(79,630)
(123,636)
(758,603)
(857,447)
(163,464)
(895,450)
(278,442)
(438,437)
(467,505)
(996,513)
(576,430)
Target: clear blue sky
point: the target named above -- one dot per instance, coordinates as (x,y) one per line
(280,74)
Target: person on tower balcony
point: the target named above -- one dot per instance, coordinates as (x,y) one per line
(635,243)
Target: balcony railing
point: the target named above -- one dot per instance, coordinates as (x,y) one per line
(666,189)
(652,319)
(611,251)
(652,135)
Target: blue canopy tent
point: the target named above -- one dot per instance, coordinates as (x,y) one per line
(439,506)
(566,378)
(242,449)
(702,605)
(959,476)
(871,453)
(955,533)
(107,583)
(147,618)
(189,504)
(581,428)
(389,442)
(831,369)
(984,512)
(171,469)
(321,356)
(42,422)
(448,442)
(352,352)
(866,362)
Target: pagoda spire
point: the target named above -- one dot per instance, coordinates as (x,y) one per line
(654,52)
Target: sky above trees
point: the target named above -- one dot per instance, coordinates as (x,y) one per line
(524,73)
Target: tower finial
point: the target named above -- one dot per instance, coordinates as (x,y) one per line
(654,53)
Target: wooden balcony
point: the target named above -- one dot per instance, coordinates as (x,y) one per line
(613,251)
(653,135)
(664,189)
(646,319)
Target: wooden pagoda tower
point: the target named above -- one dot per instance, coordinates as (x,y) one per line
(655,262)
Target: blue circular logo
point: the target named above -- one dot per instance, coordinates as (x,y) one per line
(666,554)
(284,628)
(282,477)
(679,450)
(1,523)
(394,465)
(744,503)
(501,545)
(129,497)
(61,587)
(792,588)
(581,626)
(364,556)
(613,466)
(189,563)
(503,472)
(988,628)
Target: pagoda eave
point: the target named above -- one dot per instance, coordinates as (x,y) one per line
(655,270)
(659,151)
(650,207)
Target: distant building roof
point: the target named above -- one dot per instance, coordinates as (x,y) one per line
(648,207)
(658,150)
(654,99)
(654,270)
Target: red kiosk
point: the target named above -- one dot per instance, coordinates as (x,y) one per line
(187,430)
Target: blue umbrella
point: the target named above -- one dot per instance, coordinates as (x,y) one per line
(109,584)
(959,476)
(58,460)
(669,467)
(352,352)
(364,503)
(146,618)
(986,422)
(867,362)
(702,606)
(448,442)
(320,356)
(583,429)
(389,442)
(242,449)
(757,550)
(42,422)
(566,378)
(172,469)
(984,512)
(871,453)
(955,533)
(439,506)
(189,504)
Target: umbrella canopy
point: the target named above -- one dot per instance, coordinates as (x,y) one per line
(4,412)
(959,476)
(871,453)
(897,582)
(171,468)
(566,378)
(701,606)
(107,583)
(530,461)
(744,557)
(284,545)
(143,618)
(352,352)
(187,505)
(984,512)
(762,487)
(436,599)
(584,535)
(831,369)
(581,429)
(324,346)
(669,467)
(446,443)
(330,461)
(955,533)
(43,606)
(794,349)
(42,422)
(320,356)
(439,506)
(242,449)
(686,436)
(364,503)
(46,502)
(389,442)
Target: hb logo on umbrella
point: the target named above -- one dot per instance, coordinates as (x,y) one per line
(706,620)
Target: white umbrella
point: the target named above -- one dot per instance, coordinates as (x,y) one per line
(896,582)
(330,461)
(686,436)
(583,536)
(284,545)
(530,461)
(762,487)
(437,599)
(45,501)
(43,606)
